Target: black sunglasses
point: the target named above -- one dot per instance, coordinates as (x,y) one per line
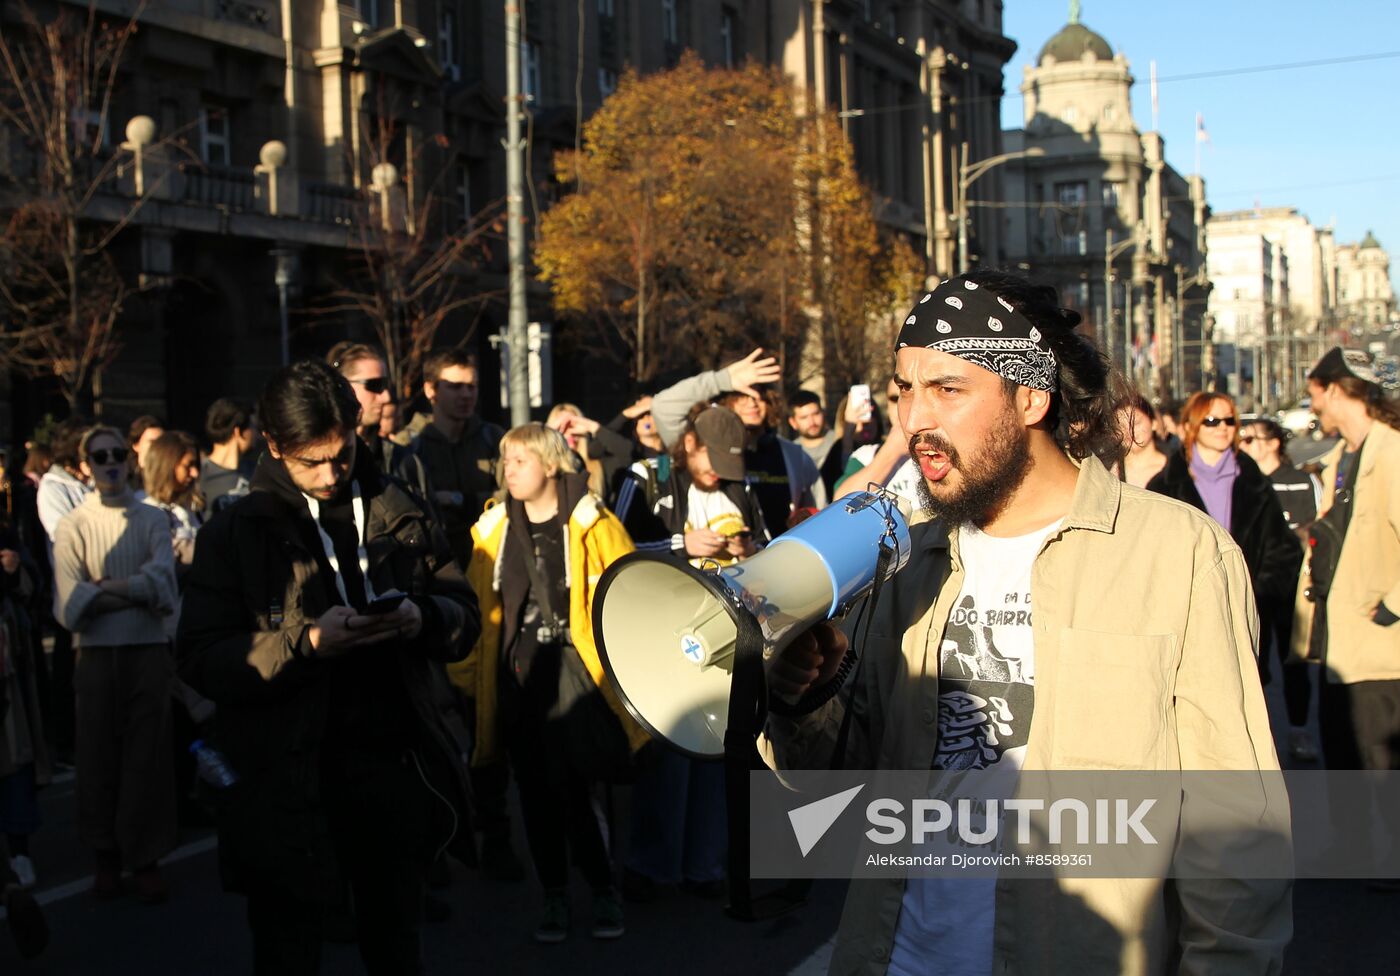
(376,385)
(1217,421)
(108,455)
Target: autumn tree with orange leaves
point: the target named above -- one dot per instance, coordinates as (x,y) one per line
(707,216)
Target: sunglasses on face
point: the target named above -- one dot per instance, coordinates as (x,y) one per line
(108,455)
(1261,438)
(1217,421)
(376,385)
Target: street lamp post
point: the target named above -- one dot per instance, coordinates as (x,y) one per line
(967,175)
(284,276)
(1110,252)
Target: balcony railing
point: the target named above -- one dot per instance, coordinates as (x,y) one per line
(333,203)
(215,186)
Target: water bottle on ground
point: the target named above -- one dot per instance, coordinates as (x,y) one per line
(211,765)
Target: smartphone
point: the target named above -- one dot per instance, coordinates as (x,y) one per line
(860,393)
(384,604)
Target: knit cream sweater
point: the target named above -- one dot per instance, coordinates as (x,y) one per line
(114,538)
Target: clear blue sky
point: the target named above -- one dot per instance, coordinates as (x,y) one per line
(1324,139)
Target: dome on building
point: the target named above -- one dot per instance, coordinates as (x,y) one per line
(1071,43)
(1370,241)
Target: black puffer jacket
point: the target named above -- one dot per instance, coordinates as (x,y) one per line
(257,584)
(1271,550)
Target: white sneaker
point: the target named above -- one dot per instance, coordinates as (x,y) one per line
(23,869)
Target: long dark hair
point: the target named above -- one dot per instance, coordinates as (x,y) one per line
(1378,406)
(307,402)
(163,457)
(1084,413)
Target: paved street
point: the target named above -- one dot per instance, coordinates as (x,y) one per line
(200,932)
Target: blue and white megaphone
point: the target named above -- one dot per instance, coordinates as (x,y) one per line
(667,631)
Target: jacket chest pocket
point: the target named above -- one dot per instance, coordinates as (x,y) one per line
(282,603)
(396,560)
(1110,699)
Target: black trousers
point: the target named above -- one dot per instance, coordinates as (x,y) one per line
(1360,729)
(1360,724)
(381,813)
(63,700)
(1275,638)
(556,803)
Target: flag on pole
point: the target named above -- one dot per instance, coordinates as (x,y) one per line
(1201,134)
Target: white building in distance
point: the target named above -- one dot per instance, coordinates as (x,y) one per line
(1365,300)
(1278,312)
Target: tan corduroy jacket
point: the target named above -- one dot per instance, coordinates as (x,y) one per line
(1368,568)
(1145,632)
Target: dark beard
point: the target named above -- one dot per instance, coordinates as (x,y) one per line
(987,482)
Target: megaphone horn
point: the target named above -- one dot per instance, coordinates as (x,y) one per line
(667,630)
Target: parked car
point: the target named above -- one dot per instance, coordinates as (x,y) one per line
(1300,421)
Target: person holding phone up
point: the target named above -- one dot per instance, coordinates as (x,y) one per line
(313,616)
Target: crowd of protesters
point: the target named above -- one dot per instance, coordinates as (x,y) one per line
(363,615)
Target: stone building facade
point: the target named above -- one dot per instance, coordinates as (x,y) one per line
(1094,208)
(284,111)
(1280,315)
(1365,299)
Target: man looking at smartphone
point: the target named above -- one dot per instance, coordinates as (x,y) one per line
(347,780)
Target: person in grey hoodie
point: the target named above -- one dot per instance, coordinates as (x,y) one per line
(114,585)
(780,472)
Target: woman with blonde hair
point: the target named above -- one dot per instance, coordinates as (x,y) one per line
(114,581)
(536,559)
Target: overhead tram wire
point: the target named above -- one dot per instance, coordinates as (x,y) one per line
(1161,80)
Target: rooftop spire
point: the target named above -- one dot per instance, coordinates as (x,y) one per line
(1074,11)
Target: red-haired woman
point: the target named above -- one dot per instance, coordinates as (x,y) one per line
(1213,474)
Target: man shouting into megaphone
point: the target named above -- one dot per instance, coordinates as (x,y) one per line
(1051,617)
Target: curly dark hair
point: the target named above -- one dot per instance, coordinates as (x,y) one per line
(1084,413)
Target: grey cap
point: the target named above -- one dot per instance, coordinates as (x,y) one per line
(1341,363)
(721,432)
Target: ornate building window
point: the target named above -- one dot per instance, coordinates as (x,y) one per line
(728,39)
(447,44)
(670,22)
(214,136)
(530,71)
(1072,234)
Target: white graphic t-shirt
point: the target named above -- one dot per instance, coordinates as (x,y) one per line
(986,694)
(716,511)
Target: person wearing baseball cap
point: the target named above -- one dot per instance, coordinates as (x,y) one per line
(695,502)
(1348,601)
